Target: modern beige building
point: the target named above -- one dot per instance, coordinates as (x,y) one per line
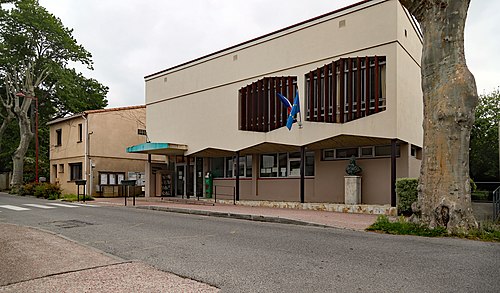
(357,74)
(91,146)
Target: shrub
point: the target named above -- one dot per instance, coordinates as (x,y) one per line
(47,191)
(488,231)
(406,191)
(27,189)
(480,195)
(403,227)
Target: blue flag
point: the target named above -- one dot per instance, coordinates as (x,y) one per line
(295,110)
(285,102)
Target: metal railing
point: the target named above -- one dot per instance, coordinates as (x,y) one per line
(485,189)
(225,194)
(496,204)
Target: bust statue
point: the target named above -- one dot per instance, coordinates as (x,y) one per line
(352,169)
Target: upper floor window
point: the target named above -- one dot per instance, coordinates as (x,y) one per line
(58,137)
(259,107)
(346,89)
(80,132)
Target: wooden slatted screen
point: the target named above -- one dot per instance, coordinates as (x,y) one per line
(259,108)
(346,89)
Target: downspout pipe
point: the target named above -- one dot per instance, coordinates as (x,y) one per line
(86,152)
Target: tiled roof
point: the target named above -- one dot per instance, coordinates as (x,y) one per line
(55,121)
(114,109)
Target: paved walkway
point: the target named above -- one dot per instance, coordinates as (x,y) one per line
(357,222)
(37,261)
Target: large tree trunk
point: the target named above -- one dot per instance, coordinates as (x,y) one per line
(450,97)
(26,135)
(22,94)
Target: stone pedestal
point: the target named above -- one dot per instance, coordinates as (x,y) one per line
(352,189)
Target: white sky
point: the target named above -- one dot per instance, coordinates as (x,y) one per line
(130,39)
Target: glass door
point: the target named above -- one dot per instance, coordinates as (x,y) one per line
(199,176)
(180,172)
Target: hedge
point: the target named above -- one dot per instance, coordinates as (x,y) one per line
(406,191)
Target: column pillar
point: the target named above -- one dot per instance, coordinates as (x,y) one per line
(237,172)
(302,173)
(393,172)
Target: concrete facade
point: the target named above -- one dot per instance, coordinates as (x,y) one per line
(92,146)
(199,100)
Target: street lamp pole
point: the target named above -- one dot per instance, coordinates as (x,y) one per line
(20,94)
(36,139)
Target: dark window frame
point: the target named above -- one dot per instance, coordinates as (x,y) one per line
(59,137)
(228,167)
(76,171)
(290,158)
(80,132)
(374,155)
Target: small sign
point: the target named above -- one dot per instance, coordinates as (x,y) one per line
(80,182)
(128,182)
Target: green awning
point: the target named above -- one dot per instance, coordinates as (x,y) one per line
(158,148)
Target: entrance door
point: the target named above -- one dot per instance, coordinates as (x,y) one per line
(185,179)
(180,172)
(199,176)
(189,180)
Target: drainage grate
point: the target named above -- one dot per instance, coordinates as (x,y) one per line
(70,224)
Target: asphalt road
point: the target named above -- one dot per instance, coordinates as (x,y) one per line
(244,256)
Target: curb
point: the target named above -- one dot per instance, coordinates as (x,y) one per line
(247,217)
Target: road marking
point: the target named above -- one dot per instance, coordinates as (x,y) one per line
(63,205)
(38,206)
(14,208)
(85,205)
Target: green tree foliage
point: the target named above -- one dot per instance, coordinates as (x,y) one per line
(30,35)
(484,138)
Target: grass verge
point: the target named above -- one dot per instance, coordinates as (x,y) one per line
(486,232)
(73,197)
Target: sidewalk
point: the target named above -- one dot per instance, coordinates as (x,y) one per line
(37,261)
(358,222)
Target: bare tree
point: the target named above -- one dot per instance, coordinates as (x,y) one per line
(22,81)
(450,97)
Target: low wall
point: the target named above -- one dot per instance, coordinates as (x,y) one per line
(4,181)
(328,207)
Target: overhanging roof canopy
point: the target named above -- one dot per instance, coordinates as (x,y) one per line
(213,153)
(158,148)
(269,147)
(343,140)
